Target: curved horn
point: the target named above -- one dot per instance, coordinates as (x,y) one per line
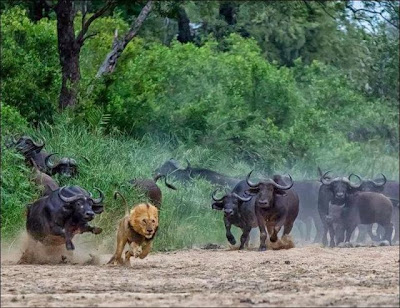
(41,145)
(244,199)
(69,199)
(213,196)
(47,161)
(354,185)
(248,181)
(283,187)
(324,179)
(116,194)
(351,174)
(100,199)
(380,184)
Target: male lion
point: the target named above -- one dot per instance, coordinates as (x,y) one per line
(137,228)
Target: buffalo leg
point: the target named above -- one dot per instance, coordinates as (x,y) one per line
(308,224)
(263,231)
(229,235)
(245,237)
(388,233)
(349,231)
(331,230)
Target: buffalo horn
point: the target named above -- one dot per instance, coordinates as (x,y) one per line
(244,199)
(248,181)
(100,199)
(213,196)
(282,186)
(69,199)
(47,161)
(380,184)
(325,180)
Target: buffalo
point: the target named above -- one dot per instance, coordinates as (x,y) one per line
(391,190)
(65,166)
(238,208)
(361,208)
(151,189)
(335,191)
(276,205)
(172,168)
(55,218)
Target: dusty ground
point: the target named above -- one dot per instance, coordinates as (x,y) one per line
(306,276)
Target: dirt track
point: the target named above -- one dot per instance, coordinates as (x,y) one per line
(307,276)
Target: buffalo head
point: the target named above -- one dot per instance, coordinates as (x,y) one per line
(376,185)
(230,203)
(26,146)
(65,166)
(339,186)
(266,190)
(80,203)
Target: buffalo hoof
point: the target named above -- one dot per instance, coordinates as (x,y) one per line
(384,243)
(70,246)
(262,249)
(97,230)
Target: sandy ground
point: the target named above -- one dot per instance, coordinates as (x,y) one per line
(305,276)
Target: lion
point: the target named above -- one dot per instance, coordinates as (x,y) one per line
(137,228)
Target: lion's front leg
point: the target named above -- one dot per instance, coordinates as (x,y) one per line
(146,248)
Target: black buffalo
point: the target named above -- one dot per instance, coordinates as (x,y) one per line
(171,167)
(360,208)
(238,208)
(65,166)
(332,191)
(276,205)
(55,218)
(391,190)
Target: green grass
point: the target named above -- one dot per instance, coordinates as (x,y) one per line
(186,217)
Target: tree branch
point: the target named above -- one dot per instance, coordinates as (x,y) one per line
(86,24)
(88,36)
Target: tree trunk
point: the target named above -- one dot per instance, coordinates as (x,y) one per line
(69,50)
(184,34)
(118,46)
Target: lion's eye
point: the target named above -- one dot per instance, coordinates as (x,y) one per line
(153,221)
(144,221)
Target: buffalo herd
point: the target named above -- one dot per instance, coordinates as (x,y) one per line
(334,205)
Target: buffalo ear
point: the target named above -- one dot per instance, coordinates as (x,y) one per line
(280,192)
(98,209)
(217,206)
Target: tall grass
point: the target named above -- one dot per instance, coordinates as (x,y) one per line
(186,217)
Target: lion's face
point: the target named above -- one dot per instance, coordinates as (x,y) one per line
(144,219)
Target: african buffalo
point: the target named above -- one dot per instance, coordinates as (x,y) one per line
(276,205)
(333,191)
(361,208)
(151,189)
(65,166)
(55,218)
(307,190)
(172,168)
(391,190)
(238,210)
